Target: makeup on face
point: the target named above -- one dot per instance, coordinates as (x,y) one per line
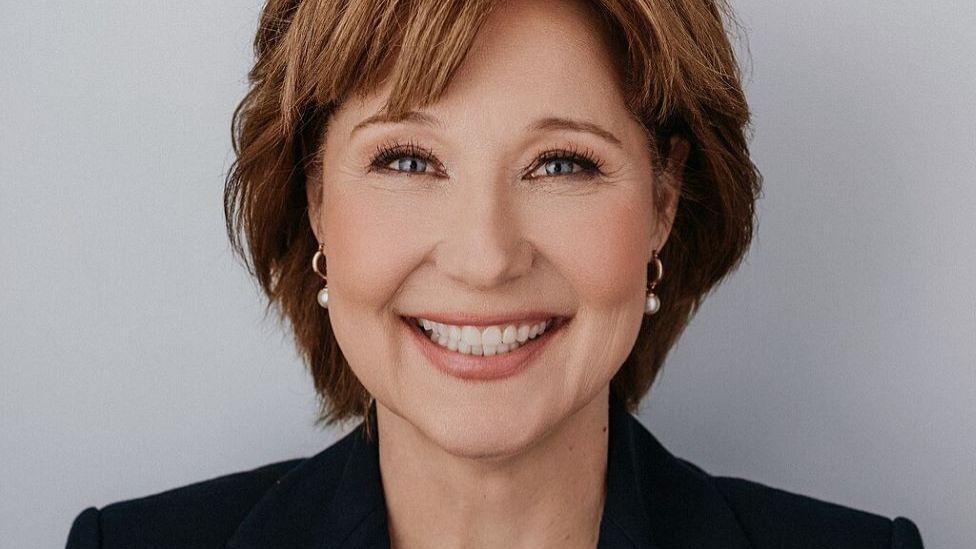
(485,351)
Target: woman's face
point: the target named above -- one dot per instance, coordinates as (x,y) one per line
(471,222)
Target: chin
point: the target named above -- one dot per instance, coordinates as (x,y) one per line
(485,434)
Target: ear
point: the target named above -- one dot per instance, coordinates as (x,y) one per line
(672,178)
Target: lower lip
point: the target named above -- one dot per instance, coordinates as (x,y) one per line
(481,368)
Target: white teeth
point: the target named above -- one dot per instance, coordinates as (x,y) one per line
(471,335)
(486,341)
(491,337)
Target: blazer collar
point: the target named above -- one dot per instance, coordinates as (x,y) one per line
(656,500)
(334,500)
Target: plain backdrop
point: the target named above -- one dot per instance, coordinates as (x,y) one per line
(839,361)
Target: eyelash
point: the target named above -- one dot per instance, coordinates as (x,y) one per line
(385,153)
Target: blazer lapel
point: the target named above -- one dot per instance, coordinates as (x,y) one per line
(334,500)
(657,501)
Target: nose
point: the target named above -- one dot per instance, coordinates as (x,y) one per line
(484,244)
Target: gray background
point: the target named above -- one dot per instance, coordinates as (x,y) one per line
(839,362)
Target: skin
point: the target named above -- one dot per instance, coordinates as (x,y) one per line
(485,227)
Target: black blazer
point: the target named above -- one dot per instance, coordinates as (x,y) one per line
(334,500)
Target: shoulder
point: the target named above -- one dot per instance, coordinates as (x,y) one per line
(199,515)
(210,513)
(772,517)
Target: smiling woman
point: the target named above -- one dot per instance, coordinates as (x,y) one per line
(558,145)
(487,223)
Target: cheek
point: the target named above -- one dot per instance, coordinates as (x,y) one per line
(602,247)
(368,243)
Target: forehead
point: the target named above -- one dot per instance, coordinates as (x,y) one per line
(530,59)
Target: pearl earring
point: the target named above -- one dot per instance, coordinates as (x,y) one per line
(653,302)
(323,297)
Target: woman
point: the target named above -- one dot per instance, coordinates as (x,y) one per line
(487,223)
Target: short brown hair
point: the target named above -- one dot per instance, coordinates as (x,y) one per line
(679,76)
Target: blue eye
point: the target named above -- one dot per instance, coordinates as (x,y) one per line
(561,162)
(411,164)
(408,159)
(561,166)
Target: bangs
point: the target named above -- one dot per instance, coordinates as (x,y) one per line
(333,50)
(419,44)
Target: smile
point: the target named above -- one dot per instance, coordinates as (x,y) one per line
(483,352)
(484,340)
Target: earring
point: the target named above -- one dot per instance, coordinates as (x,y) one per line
(323,297)
(653,303)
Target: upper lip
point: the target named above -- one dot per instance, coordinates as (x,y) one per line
(473,319)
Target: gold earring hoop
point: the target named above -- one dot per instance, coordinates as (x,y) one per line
(653,302)
(323,296)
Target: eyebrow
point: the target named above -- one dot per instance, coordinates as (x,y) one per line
(409,116)
(549,123)
(557,123)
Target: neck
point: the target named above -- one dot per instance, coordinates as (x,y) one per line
(549,495)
